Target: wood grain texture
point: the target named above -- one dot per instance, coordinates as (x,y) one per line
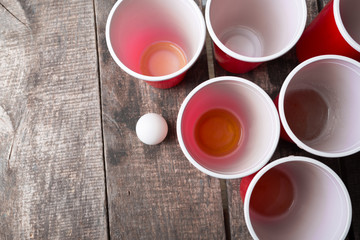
(51,164)
(53,56)
(153,191)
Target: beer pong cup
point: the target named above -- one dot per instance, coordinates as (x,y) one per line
(334,31)
(319,106)
(296,198)
(156,41)
(247,33)
(228,127)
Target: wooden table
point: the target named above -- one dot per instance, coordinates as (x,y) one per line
(71,166)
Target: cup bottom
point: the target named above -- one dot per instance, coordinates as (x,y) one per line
(307,114)
(243,40)
(162,58)
(273,195)
(218,132)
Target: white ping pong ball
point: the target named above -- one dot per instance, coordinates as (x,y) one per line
(151,128)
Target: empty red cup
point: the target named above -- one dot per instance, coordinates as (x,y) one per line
(318,106)
(247,33)
(334,31)
(296,198)
(156,41)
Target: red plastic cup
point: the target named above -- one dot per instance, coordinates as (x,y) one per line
(156,41)
(318,106)
(334,31)
(247,33)
(259,127)
(296,198)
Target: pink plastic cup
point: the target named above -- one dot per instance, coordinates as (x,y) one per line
(156,41)
(334,31)
(247,33)
(319,106)
(251,106)
(296,198)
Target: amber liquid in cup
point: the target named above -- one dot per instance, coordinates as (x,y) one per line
(162,58)
(218,132)
(273,194)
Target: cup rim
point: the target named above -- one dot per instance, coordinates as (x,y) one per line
(237,56)
(283,120)
(339,23)
(271,149)
(137,75)
(279,161)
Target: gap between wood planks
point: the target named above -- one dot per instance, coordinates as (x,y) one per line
(223,186)
(101,123)
(211,73)
(343,176)
(12,14)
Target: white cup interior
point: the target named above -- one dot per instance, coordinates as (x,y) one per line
(347,17)
(337,80)
(321,208)
(256,113)
(133,25)
(257,28)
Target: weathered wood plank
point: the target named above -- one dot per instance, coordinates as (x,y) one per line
(153,191)
(51,164)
